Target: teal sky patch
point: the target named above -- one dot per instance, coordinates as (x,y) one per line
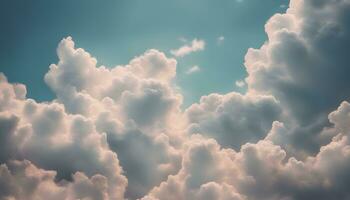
(115,31)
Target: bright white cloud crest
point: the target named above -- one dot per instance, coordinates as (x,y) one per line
(119,133)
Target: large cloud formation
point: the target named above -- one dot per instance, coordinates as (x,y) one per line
(304,64)
(119,132)
(262,170)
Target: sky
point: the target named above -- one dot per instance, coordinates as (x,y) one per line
(175,100)
(115,31)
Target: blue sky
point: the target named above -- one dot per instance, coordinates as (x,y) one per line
(115,31)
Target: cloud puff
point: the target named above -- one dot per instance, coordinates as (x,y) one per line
(193,69)
(23,180)
(196,45)
(341,118)
(77,81)
(220,40)
(240,83)
(233,119)
(202,176)
(47,136)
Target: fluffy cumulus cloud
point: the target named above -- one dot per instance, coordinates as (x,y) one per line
(120,133)
(116,126)
(23,180)
(304,64)
(233,119)
(50,138)
(261,170)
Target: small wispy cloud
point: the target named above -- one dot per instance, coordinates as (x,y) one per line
(196,45)
(220,40)
(240,83)
(193,69)
(183,39)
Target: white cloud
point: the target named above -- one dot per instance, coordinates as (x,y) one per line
(193,69)
(220,40)
(240,83)
(196,45)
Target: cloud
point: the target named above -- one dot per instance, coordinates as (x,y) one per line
(283,6)
(260,171)
(23,180)
(48,137)
(202,175)
(132,104)
(119,132)
(304,65)
(240,83)
(107,126)
(193,69)
(233,119)
(98,112)
(196,45)
(220,40)
(292,66)
(183,39)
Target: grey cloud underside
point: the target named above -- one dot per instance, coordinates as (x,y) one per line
(233,119)
(119,133)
